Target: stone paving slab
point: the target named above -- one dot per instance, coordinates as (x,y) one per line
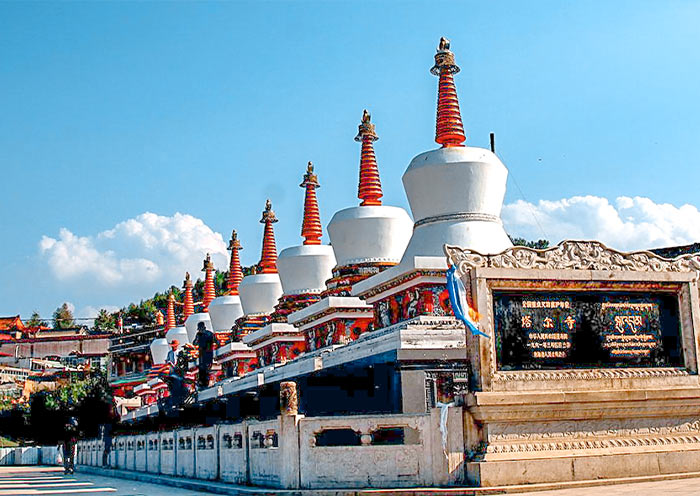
(94,480)
(33,480)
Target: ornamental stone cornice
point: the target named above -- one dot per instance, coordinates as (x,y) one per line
(570,254)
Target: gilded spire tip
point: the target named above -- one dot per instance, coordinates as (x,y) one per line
(366,128)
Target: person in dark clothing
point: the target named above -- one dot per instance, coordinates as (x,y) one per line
(106,434)
(70,438)
(204,340)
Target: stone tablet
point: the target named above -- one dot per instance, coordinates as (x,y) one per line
(593,329)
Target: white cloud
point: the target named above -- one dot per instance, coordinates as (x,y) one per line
(146,253)
(626,224)
(90,312)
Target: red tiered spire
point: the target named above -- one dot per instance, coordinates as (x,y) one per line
(170,314)
(370,188)
(235,274)
(449,130)
(268,261)
(209,291)
(311,226)
(160,320)
(188,302)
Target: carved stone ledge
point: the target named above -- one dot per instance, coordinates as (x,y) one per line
(581,255)
(588,374)
(593,444)
(591,429)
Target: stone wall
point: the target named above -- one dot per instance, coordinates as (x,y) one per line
(207,453)
(31,455)
(233,449)
(153,455)
(184,453)
(293,452)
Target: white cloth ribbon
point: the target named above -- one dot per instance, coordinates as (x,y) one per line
(444,408)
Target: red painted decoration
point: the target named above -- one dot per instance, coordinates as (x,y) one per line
(370,187)
(209,291)
(449,130)
(170,314)
(188,302)
(311,226)
(235,274)
(268,261)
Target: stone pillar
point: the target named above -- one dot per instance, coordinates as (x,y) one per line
(289,400)
(289,435)
(448,465)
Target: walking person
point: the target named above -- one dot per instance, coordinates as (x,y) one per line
(106,431)
(70,439)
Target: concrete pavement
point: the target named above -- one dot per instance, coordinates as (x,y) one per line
(31,480)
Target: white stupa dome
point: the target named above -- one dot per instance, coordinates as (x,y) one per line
(456,194)
(376,233)
(305,268)
(224,311)
(179,333)
(192,322)
(159,350)
(260,292)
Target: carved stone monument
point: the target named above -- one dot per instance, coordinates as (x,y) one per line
(591,369)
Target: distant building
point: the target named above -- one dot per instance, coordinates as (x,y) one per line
(10,327)
(71,347)
(130,359)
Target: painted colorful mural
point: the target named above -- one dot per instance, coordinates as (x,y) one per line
(280,352)
(336,331)
(421,300)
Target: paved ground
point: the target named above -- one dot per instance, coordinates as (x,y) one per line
(50,480)
(679,487)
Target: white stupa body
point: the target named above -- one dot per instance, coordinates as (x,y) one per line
(305,268)
(456,195)
(259,293)
(159,350)
(369,234)
(224,311)
(192,322)
(179,333)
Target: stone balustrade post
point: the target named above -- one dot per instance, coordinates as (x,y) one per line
(289,435)
(448,463)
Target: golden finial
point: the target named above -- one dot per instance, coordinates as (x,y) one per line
(444,58)
(207,263)
(268,214)
(234,244)
(366,128)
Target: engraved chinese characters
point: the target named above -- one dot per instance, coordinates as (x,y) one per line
(553,330)
(548,324)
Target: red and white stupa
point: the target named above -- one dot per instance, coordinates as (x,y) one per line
(456,193)
(193,320)
(226,309)
(366,240)
(368,316)
(303,271)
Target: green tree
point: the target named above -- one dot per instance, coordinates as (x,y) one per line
(34,320)
(540,244)
(220,281)
(105,321)
(63,317)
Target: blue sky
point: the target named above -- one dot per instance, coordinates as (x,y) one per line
(114,109)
